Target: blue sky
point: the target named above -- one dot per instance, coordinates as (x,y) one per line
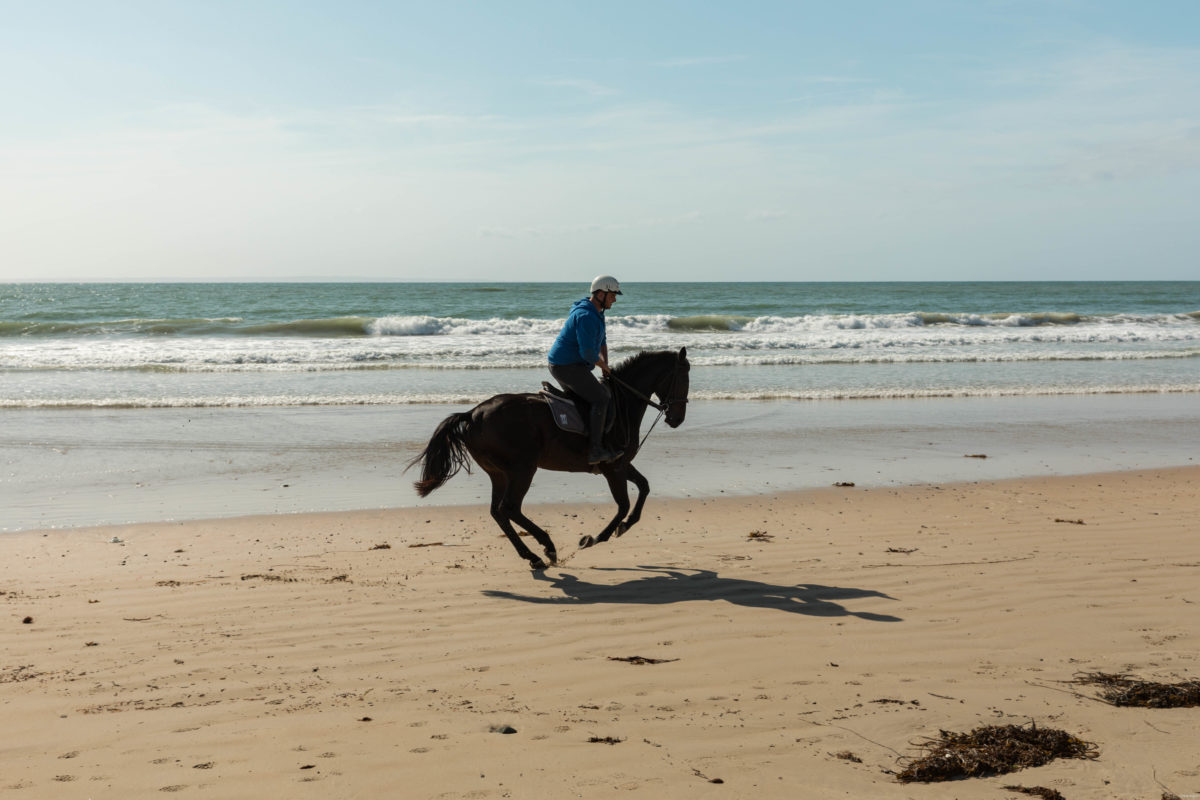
(929,140)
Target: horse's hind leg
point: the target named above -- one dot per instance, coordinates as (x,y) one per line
(518,486)
(500,487)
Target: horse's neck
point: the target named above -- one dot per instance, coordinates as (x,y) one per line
(645,383)
(644,386)
(636,409)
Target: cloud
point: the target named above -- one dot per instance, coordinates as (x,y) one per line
(1106,112)
(583,86)
(699,61)
(411,182)
(768,215)
(575,229)
(834,79)
(403,119)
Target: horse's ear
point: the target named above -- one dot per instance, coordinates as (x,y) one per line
(683,353)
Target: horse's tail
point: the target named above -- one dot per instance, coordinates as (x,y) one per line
(445,454)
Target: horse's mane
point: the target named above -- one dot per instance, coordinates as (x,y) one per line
(632,363)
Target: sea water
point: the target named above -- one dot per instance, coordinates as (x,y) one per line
(254,344)
(146,402)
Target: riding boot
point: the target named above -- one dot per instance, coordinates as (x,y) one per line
(598,453)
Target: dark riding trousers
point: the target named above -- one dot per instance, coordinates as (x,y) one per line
(579,379)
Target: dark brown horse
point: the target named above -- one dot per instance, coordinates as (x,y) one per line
(511,435)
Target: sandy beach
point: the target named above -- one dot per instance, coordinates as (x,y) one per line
(897,311)
(804,642)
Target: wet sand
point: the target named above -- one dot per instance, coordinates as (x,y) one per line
(63,468)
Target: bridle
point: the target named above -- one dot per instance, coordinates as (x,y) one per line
(663,407)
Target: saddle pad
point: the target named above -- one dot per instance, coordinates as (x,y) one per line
(565,413)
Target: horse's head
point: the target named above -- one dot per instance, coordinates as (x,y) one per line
(672,391)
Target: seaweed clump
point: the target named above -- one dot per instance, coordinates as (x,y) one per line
(992,750)
(1124,690)
(1037,791)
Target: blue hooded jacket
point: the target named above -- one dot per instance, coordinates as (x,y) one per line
(581,337)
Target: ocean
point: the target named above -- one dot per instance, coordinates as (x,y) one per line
(128,403)
(292,344)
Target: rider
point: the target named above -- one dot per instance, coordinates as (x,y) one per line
(581,345)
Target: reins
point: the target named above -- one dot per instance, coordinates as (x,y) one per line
(661,407)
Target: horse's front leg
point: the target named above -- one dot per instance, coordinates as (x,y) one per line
(643,489)
(620,492)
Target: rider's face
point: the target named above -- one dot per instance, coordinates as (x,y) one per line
(604,300)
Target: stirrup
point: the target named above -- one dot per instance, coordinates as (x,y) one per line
(604,455)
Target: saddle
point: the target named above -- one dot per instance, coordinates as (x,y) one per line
(569,410)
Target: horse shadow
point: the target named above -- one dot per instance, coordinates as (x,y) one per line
(663,585)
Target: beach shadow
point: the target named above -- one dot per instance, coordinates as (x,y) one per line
(663,585)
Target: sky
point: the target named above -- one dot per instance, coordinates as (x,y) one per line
(658,141)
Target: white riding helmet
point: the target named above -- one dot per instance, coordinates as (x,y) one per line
(605,283)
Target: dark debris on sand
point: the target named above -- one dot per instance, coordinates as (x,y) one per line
(992,750)
(1125,690)
(1037,791)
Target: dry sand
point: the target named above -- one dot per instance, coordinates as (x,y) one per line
(297,656)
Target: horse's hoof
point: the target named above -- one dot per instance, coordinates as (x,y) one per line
(537,564)
(586,542)
(620,531)
(553,556)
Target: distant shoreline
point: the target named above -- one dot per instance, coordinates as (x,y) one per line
(476,281)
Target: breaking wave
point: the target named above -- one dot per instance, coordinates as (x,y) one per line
(402,325)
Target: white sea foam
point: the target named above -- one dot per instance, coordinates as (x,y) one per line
(241,401)
(886,393)
(452,326)
(459,398)
(348,348)
(467,351)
